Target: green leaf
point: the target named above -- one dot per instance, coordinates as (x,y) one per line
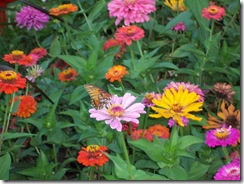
(174,137)
(5,161)
(174,173)
(96,10)
(77,94)
(9,135)
(188,140)
(197,170)
(55,48)
(142,175)
(76,62)
(145,164)
(165,65)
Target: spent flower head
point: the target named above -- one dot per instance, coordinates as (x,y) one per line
(34,71)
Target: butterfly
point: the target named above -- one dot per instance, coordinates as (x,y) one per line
(99,97)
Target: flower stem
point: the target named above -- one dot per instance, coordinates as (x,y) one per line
(69,33)
(91,174)
(122,86)
(78,2)
(139,48)
(226,154)
(132,56)
(146,119)
(122,140)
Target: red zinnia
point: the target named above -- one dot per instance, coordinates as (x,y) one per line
(142,134)
(26,107)
(213,12)
(129,33)
(39,52)
(10,82)
(112,43)
(159,131)
(93,155)
(67,75)
(14,57)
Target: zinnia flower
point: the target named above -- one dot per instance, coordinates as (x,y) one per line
(224,91)
(34,71)
(230,171)
(175,5)
(179,27)
(116,73)
(60,64)
(142,134)
(159,131)
(63,9)
(177,104)
(171,122)
(112,43)
(228,116)
(131,10)
(10,82)
(129,33)
(147,100)
(30,17)
(27,106)
(67,75)
(93,155)
(213,12)
(119,109)
(129,127)
(190,87)
(14,57)
(38,52)
(222,136)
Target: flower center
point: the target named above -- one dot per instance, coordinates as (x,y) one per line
(234,171)
(222,133)
(92,148)
(176,108)
(116,110)
(130,32)
(149,96)
(128,2)
(17,54)
(116,72)
(63,7)
(8,76)
(213,10)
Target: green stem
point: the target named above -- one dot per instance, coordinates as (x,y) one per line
(122,86)
(132,56)
(28,130)
(151,28)
(39,45)
(139,48)
(224,149)
(78,2)
(206,55)
(10,111)
(55,154)
(91,174)
(146,119)
(69,33)
(122,141)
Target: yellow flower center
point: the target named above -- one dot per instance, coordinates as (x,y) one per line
(149,96)
(8,76)
(222,133)
(63,7)
(213,10)
(129,1)
(17,54)
(92,148)
(176,108)
(130,32)
(115,110)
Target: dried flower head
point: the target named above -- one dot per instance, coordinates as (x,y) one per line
(224,91)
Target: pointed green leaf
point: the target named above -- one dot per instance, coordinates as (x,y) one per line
(5,161)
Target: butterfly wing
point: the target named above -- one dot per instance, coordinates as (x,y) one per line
(99,97)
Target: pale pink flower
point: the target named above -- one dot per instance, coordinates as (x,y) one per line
(132,11)
(119,109)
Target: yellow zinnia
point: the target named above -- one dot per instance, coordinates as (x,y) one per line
(177,104)
(175,4)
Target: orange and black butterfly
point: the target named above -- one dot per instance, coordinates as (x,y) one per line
(99,97)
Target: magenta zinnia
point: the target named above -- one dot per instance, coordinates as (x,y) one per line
(231,171)
(119,109)
(30,17)
(132,11)
(222,136)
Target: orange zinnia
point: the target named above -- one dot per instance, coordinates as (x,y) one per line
(112,43)
(11,81)
(67,75)
(159,131)
(27,106)
(93,155)
(63,9)
(14,57)
(142,134)
(116,73)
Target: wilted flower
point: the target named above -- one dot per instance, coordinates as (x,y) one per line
(142,134)
(63,9)
(175,5)
(129,33)
(179,27)
(132,11)
(116,73)
(213,12)
(159,131)
(119,109)
(67,75)
(30,17)
(224,91)
(177,104)
(11,81)
(222,136)
(93,155)
(34,71)
(60,64)
(190,87)
(230,171)
(112,43)
(27,106)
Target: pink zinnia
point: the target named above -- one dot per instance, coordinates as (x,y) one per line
(190,87)
(132,11)
(129,33)
(231,171)
(30,17)
(38,52)
(213,12)
(171,122)
(119,109)
(179,27)
(147,100)
(222,136)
